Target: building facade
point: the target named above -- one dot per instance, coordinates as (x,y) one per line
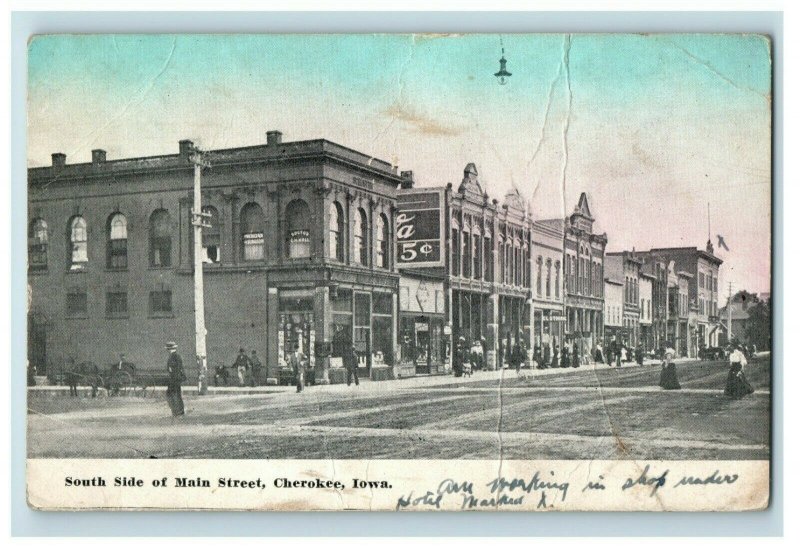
(548,287)
(626,267)
(299,251)
(613,306)
(584,253)
(646,338)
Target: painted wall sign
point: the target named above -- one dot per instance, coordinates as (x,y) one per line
(420,228)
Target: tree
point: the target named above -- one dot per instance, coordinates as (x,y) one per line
(759,325)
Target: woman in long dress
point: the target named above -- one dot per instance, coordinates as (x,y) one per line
(737,385)
(669,376)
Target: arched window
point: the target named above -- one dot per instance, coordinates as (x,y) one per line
(539,275)
(37,245)
(298,231)
(335,232)
(117,255)
(549,279)
(455,246)
(251,223)
(557,286)
(79,256)
(211,235)
(466,262)
(160,238)
(488,261)
(382,241)
(360,237)
(476,252)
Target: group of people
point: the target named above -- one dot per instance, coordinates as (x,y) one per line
(736,384)
(617,353)
(248,369)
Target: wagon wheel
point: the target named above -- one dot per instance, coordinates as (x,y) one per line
(121,381)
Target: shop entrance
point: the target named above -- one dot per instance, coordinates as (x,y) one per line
(296,327)
(37,344)
(362,340)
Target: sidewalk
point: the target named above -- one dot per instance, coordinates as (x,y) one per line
(365,384)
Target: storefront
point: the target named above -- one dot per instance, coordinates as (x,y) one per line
(424,347)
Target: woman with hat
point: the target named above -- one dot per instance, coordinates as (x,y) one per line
(176,377)
(737,385)
(669,375)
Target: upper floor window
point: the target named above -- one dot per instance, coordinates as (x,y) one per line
(335,232)
(382,241)
(488,262)
(360,237)
(549,278)
(37,245)
(161,302)
(454,249)
(211,235)
(252,228)
(557,285)
(117,241)
(476,253)
(539,275)
(79,255)
(160,239)
(465,253)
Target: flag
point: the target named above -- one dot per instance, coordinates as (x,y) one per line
(721,243)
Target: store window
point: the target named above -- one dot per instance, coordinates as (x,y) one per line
(298,230)
(251,221)
(37,245)
(382,352)
(211,235)
(160,239)
(335,232)
(79,256)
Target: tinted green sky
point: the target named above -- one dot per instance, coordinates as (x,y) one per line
(658,125)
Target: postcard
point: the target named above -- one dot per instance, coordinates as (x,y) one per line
(399,272)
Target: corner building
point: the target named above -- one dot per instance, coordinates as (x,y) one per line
(299,250)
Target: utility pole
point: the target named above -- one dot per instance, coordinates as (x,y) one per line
(730,297)
(198,222)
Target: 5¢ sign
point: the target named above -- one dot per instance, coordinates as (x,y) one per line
(419,229)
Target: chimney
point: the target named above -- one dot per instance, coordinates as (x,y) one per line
(274,138)
(186,147)
(408,179)
(98,157)
(59,160)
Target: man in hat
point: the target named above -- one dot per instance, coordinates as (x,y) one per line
(255,369)
(176,377)
(241,365)
(295,360)
(351,364)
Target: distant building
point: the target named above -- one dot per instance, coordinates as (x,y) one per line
(548,291)
(646,338)
(626,267)
(613,307)
(584,252)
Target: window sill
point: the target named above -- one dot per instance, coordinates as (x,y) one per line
(81,316)
(77,270)
(161,315)
(155,267)
(113,269)
(117,316)
(37,271)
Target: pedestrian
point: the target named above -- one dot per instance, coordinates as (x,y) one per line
(669,375)
(518,356)
(545,356)
(598,354)
(640,354)
(554,362)
(351,364)
(737,386)
(565,355)
(611,352)
(241,365)
(537,354)
(619,353)
(220,373)
(576,359)
(255,369)
(176,377)
(459,356)
(483,352)
(623,354)
(296,362)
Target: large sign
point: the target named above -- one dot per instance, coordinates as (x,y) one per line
(420,228)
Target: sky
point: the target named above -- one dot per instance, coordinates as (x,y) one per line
(657,129)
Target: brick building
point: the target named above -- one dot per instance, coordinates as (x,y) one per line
(300,250)
(584,253)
